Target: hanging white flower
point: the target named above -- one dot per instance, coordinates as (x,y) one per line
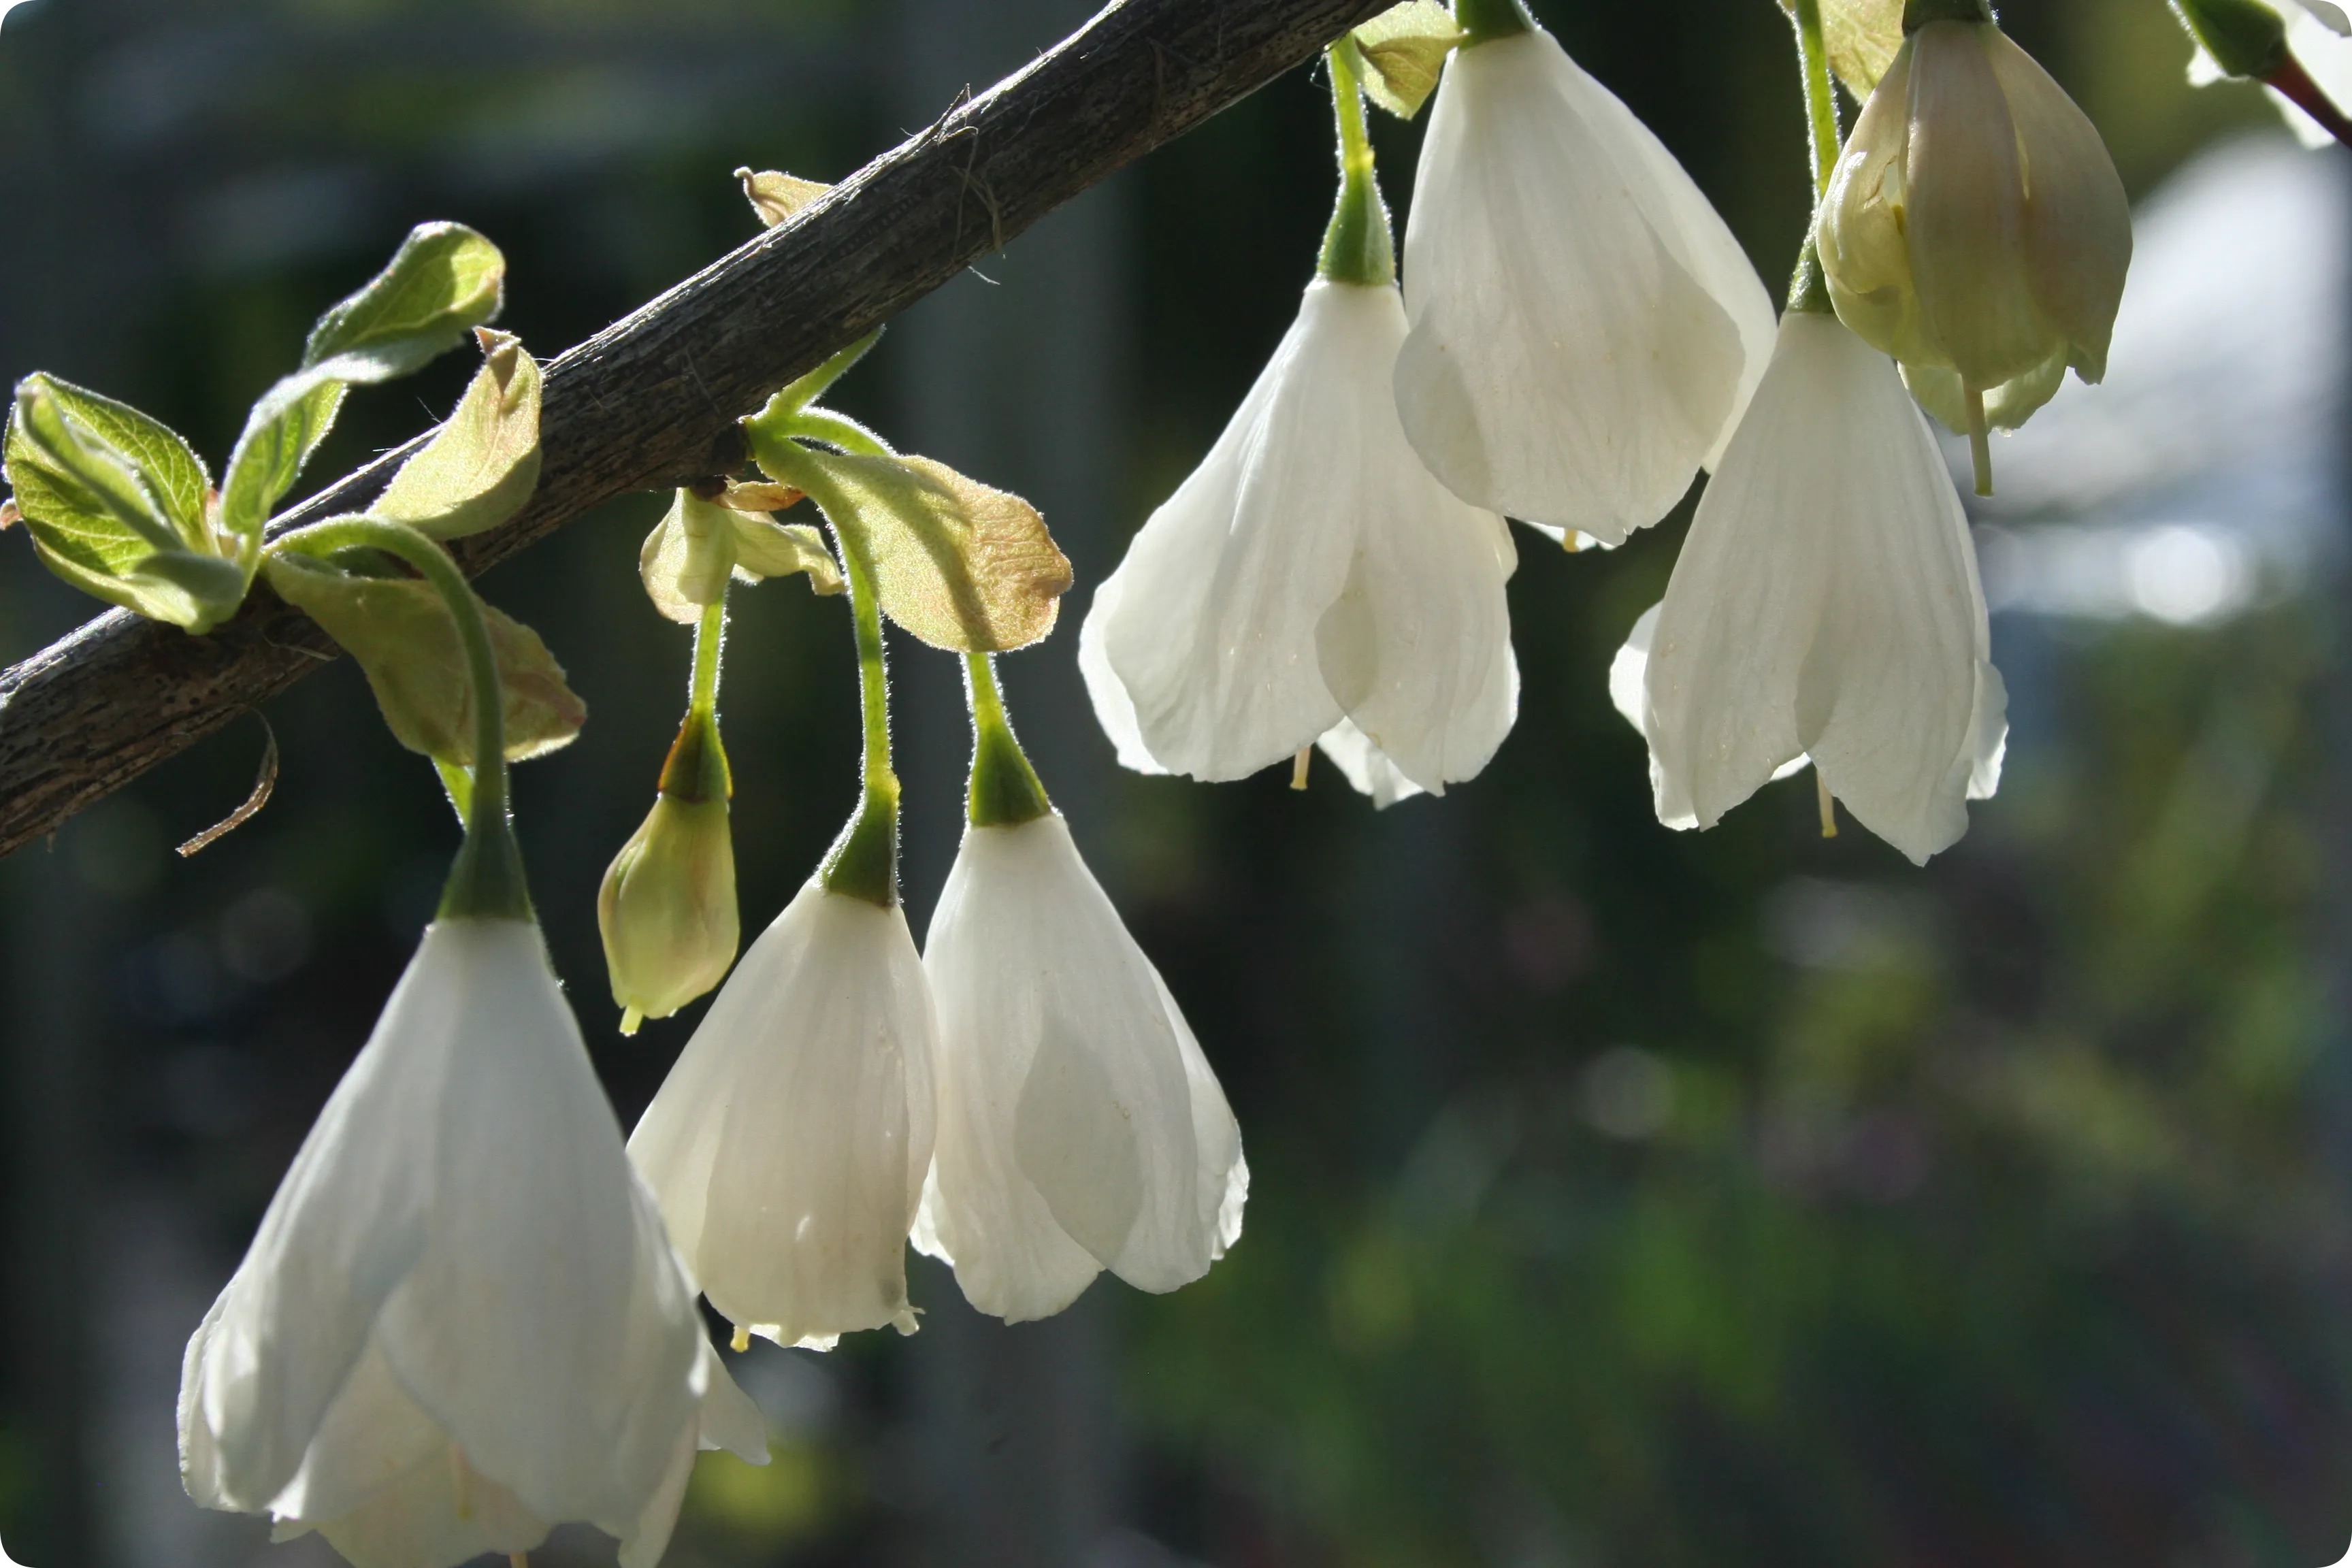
(1585,330)
(1310,570)
(1976,229)
(1826,606)
(1080,1127)
(460,1322)
(788,1145)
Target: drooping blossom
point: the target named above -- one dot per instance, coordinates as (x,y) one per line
(1311,571)
(1080,1127)
(460,1322)
(1826,606)
(1975,228)
(1585,330)
(788,1145)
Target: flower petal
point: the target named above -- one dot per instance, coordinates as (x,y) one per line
(567,1270)
(1417,644)
(1211,628)
(346,1227)
(2078,231)
(1114,708)
(1365,766)
(1965,219)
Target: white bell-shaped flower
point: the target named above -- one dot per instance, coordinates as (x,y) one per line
(1826,606)
(1080,1127)
(461,1322)
(1310,570)
(788,1145)
(1585,330)
(1976,229)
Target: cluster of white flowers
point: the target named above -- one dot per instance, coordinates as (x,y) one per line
(1025,1095)
(1577,335)
(469,1312)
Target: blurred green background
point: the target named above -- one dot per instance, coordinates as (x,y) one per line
(1621,1197)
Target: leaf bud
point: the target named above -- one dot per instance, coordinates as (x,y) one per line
(1975,228)
(666,908)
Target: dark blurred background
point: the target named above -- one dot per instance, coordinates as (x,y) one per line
(1621,1197)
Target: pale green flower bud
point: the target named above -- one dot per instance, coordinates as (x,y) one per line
(668,905)
(1975,228)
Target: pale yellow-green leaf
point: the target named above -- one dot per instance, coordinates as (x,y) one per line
(481,466)
(760,496)
(776,196)
(1862,37)
(766,548)
(1405,48)
(400,633)
(962,566)
(685,561)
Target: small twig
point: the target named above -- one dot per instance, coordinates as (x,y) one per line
(263,785)
(2295,85)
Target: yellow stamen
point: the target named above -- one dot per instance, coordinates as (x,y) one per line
(517,1560)
(1829,804)
(630,1019)
(1298,767)
(1572,540)
(1980,440)
(742,1341)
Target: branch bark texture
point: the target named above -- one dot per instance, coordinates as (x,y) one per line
(652,400)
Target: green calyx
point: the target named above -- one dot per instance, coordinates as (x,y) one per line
(1358,247)
(2245,38)
(696,770)
(1004,791)
(1917,14)
(1809,290)
(864,861)
(486,881)
(1481,21)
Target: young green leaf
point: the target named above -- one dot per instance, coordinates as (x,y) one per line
(115,505)
(766,548)
(963,566)
(284,428)
(401,631)
(1404,49)
(800,394)
(776,196)
(443,281)
(484,463)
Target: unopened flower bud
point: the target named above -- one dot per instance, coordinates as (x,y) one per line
(1975,228)
(668,905)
